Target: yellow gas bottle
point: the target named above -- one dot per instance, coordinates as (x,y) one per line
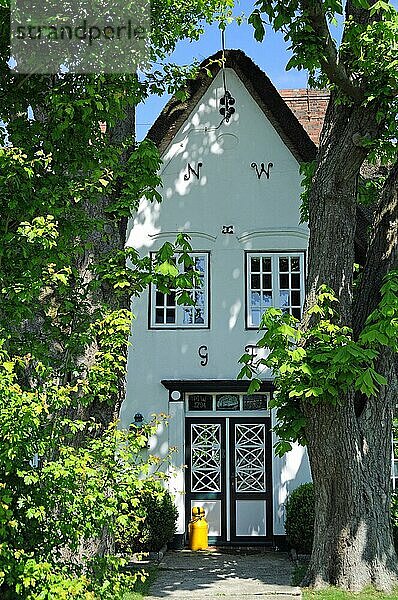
(198,530)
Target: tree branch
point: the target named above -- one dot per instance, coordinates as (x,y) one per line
(329,62)
(382,255)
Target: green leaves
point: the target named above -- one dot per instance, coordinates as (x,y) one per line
(167,268)
(354,69)
(258,25)
(66,497)
(324,362)
(379,6)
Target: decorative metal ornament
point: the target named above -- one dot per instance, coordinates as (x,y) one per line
(250,458)
(227,229)
(206,457)
(226,108)
(191,171)
(262,170)
(252,350)
(204,355)
(227,402)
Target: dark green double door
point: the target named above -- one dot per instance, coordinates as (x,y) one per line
(229,473)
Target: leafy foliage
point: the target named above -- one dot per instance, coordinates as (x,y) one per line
(57,497)
(322,362)
(158,521)
(67,188)
(300,517)
(362,68)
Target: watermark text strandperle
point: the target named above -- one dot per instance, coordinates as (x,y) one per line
(129,31)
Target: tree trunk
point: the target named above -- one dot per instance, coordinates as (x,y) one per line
(351,466)
(113,237)
(349,449)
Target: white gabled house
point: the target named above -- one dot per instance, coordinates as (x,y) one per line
(231,181)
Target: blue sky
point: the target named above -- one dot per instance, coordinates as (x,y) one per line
(271,55)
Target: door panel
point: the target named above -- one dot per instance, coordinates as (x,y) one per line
(250,479)
(206,472)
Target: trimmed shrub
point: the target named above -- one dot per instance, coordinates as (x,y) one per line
(158,521)
(300,516)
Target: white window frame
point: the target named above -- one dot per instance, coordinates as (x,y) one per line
(274,257)
(179,308)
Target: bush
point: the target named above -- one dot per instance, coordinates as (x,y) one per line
(158,521)
(300,516)
(56,512)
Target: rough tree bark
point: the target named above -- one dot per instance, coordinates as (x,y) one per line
(102,243)
(349,445)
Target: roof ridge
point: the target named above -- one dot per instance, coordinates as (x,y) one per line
(259,86)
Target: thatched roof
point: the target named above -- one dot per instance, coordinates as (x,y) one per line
(176,112)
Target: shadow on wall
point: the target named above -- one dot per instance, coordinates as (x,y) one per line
(203,138)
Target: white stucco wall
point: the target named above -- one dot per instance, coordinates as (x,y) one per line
(265,216)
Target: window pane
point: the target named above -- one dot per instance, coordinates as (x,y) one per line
(255,282)
(256,314)
(267,265)
(159,299)
(255,402)
(199,298)
(200,402)
(296,312)
(295,263)
(227,402)
(284,299)
(255,264)
(296,298)
(199,316)
(171,299)
(165,310)
(267,285)
(296,281)
(200,263)
(255,298)
(283,263)
(170,315)
(188,315)
(267,299)
(284,281)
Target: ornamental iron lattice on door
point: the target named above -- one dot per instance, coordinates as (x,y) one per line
(250,457)
(206,457)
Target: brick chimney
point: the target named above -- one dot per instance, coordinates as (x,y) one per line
(309,106)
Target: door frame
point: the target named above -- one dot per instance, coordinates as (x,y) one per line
(228,510)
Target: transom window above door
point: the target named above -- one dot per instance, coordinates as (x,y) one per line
(165,313)
(227,402)
(274,279)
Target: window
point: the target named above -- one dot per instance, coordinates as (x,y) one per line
(226,402)
(166,313)
(274,280)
